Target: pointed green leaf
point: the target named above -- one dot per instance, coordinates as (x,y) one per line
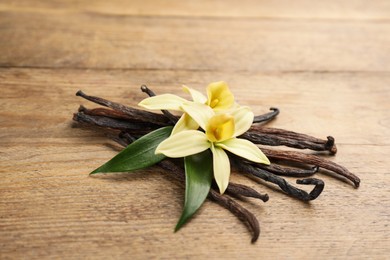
(199,175)
(139,154)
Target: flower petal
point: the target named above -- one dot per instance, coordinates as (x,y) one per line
(199,112)
(196,95)
(164,101)
(183,144)
(243,119)
(185,123)
(245,149)
(220,128)
(219,96)
(221,166)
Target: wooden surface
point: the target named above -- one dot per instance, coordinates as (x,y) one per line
(325,64)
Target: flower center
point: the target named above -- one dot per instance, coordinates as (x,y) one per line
(220,128)
(214,103)
(219,96)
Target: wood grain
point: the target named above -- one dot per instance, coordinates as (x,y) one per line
(91,40)
(281,9)
(325,65)
(47,195)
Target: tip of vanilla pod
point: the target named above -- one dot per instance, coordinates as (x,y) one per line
(79,93)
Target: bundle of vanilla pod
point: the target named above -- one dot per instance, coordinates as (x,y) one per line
(147,137)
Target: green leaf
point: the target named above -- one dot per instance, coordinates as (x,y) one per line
(139,154)
(199,175)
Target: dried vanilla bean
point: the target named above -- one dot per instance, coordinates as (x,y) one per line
(316,143)
(314,160)
(239,211)
(276,140)
(235,189)
(295,192)
(107,122)
(100,111)
(223,200)
(126,137)
(288,171)
(285,133)
(136,114)
(268,116)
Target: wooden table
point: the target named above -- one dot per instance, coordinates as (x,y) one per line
(326,65)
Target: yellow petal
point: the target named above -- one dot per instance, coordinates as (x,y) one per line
(196,95)
(245,149)
(183,144)
(221,167)
(243,119)
(185,123)
(199,112)
(219,96)
(220,127)
(165,101)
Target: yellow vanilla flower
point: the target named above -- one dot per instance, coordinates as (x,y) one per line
(221,130)
(219,98)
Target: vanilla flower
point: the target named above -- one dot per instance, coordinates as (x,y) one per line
(221,131)
(219,98)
